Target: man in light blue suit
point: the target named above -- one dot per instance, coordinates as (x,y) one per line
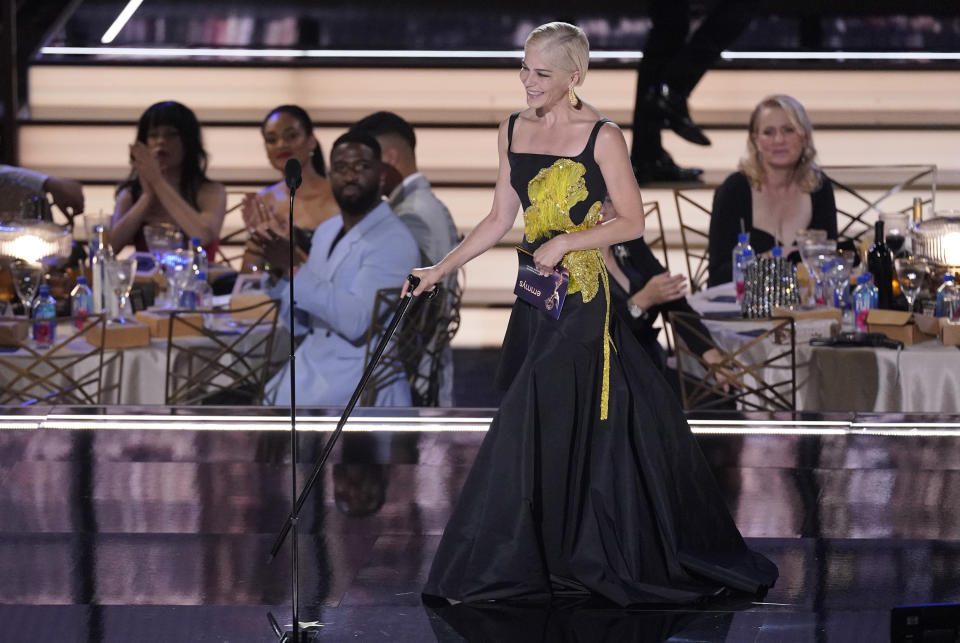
(352,255)
(412,198)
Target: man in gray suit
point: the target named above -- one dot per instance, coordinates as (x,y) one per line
(363,249)
(410,196)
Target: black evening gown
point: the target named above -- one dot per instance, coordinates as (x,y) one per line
(589,479)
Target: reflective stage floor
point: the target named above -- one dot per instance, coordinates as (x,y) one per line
(158,527)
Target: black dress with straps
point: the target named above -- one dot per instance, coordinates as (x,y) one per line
(589,480)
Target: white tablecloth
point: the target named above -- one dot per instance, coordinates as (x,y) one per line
(721,300)
(921,378)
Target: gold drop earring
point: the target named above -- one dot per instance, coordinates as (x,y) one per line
(572,95)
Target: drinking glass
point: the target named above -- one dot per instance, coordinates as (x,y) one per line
(26,280)
(120,274)
(162,238)
(177,269)
(895,231)
(92,220)
(911,272)
(837,276)
(815,253)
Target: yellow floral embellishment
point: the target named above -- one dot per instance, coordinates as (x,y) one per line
(553,192)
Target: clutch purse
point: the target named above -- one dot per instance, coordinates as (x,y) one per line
(545,292)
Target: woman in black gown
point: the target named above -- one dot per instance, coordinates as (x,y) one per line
(589,480)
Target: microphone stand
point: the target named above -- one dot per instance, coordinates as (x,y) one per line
(290,524)
(293,178)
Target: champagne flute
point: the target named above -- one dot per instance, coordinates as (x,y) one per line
(911,272)
(26,280)
(121,273)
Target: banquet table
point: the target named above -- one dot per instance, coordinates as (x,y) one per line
(923,377)
(144,368)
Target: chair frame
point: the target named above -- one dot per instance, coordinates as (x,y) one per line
(652,209)
(229,355)
(427,330)
(855,225)
(703,392)
(698,261)
(49,376)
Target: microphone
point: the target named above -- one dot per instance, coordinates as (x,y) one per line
(292,174)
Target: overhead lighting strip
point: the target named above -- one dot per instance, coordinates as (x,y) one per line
(406,54)
(121,21)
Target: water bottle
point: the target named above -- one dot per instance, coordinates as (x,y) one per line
(202,292)
(864,298)
(44,307)
(81,302)
(196,294)
(739,266)
(200,263)
(948,299)
(100,253)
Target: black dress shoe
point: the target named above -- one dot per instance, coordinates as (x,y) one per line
(662,169)
(671,107)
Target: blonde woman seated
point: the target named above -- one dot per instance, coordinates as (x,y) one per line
(288,133)
(778,190)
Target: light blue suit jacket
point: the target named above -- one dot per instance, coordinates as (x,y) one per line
(334,296)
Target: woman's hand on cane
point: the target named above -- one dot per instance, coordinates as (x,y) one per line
(429,278)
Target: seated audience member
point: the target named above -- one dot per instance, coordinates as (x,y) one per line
(641,289)
(18,184)
(778,190)
(168,181)
(417,206)
(288,133)
(352,255)
(407,189)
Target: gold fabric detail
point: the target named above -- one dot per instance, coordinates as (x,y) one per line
(552,193)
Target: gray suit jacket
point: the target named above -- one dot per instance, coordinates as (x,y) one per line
(427,218)
(432,226)
(335,296)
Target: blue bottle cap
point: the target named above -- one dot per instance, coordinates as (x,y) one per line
(948,277)
(81,281)
(777,251)
(864,278)
(195,241)
(43,291)
(743,237)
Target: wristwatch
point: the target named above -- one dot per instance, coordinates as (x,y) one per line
(635,311)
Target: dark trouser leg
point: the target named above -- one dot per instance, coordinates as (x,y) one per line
(718,31)
(671,21)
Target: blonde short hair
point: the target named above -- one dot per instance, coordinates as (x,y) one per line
(806,173)
(564,44)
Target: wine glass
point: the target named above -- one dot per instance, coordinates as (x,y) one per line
(837,274)
(120,274)
(176,266)
(815,253)
(26,280)
(911,272)
(162,238)
(895,231)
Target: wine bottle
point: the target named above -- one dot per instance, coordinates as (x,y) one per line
(880,264)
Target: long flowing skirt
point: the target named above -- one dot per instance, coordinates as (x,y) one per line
(559,502)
